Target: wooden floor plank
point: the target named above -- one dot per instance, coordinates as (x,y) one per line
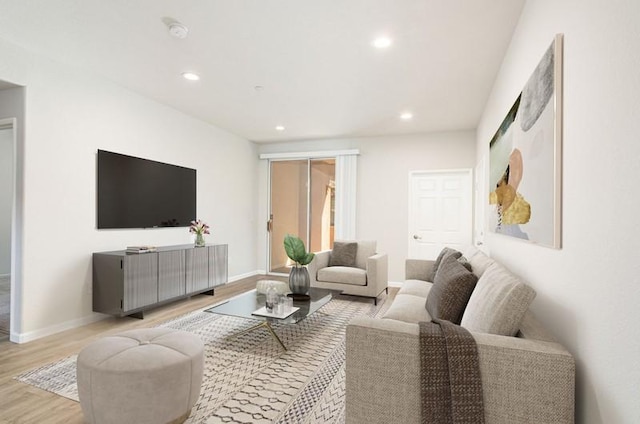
(24,404)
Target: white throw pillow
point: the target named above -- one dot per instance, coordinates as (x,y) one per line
(479,263)
(498,303)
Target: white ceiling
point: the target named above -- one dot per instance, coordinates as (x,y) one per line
(321,76)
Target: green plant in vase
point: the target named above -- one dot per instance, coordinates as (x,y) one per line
(299,275)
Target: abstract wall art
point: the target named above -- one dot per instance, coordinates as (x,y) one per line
(525,158)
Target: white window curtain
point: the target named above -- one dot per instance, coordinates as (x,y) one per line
(346,182)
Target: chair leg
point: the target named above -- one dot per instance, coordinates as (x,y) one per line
(375,301)
(387,290)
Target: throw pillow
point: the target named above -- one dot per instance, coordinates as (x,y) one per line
(451,290)
(343,254)
(479,263)
(465,263)
(498,303)
(445,252)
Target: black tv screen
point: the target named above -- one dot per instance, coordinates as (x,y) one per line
(141,193)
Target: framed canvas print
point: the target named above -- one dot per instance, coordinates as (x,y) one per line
(525,160)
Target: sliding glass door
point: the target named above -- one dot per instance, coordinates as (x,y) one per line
(302,203)
(288,214)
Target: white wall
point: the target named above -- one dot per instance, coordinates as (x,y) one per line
(383,182)
(69,115)
(6,198)
(589,291)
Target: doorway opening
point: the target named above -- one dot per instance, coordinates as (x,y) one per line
(7,187)
(302,203)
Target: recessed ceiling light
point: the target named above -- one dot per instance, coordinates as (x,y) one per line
(190,76)
(279,128)
(406,116)
(381,42)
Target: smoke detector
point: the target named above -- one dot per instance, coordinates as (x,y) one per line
(178,30)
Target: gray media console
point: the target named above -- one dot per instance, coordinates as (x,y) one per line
(129,283)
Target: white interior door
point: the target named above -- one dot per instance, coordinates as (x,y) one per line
(440,212)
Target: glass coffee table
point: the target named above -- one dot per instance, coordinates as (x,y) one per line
(246,304)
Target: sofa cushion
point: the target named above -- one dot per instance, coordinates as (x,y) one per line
(479,263)
(498,303)
(451,290)
(447,251)
(408,308)
(343,274)
(418,269)
(343,254)
(416,288)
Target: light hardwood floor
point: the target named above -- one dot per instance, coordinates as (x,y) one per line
(22,403)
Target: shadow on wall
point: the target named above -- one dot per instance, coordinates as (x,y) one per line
(585,392)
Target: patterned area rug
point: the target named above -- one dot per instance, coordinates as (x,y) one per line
(249,378)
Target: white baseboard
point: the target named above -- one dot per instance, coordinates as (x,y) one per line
(395,284)
(241,276)
(56,328)
(75,323)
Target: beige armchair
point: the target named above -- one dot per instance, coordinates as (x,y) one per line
(368,277)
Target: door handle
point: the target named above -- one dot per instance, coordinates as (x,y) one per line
(417,237)
(270,224)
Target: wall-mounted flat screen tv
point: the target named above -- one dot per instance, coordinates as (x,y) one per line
(141,193)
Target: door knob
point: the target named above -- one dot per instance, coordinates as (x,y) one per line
(417,237)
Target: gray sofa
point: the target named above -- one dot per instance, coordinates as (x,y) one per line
(526,378)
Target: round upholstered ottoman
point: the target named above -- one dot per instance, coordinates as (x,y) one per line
(150,375)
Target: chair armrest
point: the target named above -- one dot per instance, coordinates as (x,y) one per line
(320,260)
(378,271)
(520,378)
(418,269)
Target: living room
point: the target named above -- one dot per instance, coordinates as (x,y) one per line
(64,115)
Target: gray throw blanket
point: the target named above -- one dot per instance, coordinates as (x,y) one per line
(450,382)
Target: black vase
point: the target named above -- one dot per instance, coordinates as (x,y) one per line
(299,280)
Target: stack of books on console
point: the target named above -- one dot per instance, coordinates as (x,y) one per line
(141,249)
